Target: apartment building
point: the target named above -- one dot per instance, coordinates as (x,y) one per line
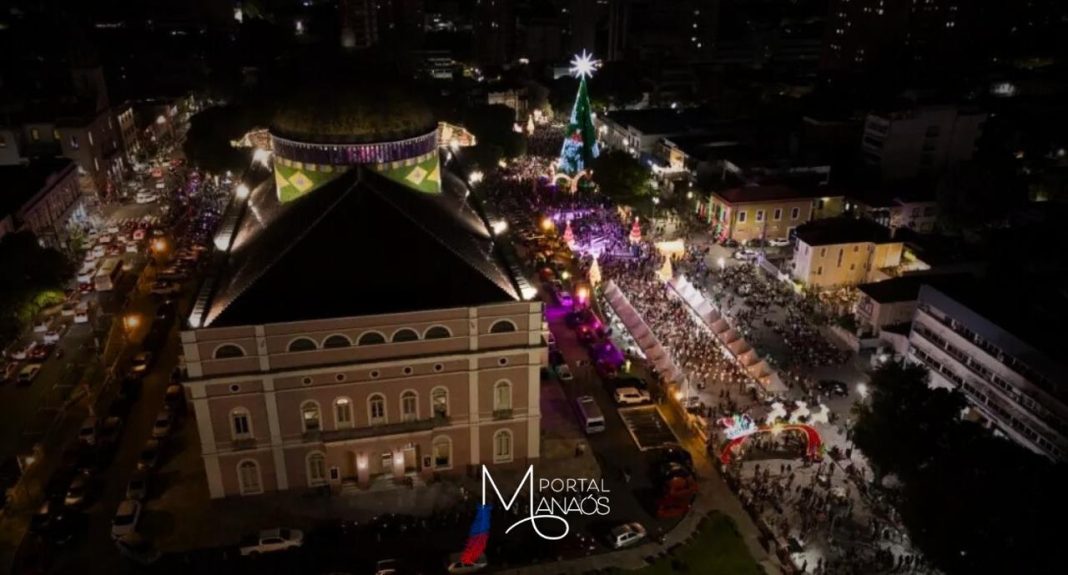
(920,141)
(1000,350)
(844,251)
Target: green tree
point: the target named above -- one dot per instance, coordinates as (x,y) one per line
(33,278)
(972,502)
(207,143)
(620,176)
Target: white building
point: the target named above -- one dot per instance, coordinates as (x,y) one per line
(994,348)
(919,141)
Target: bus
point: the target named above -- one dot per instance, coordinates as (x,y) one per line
(108,274)
(590,416)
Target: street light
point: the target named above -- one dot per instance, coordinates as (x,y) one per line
(159,245)
(546,224)
(242,191)
(475,177)
(131,321)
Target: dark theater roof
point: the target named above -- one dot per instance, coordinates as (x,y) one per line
(360,245)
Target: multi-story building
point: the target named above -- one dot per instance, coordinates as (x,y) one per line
(494,31)
(920,141)
(43,197)
(127,128)
(364,327)
(1001,352)
(766,212)
(909,207)
(359,23)
(843,251)
(11,146)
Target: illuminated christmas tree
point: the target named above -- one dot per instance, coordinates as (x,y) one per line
(595,273)
(580,139)
(569,236)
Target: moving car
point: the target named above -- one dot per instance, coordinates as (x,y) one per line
(832,387)
(126,518)
(149,457)
(271,541)
(145,197)
(174,399)
(78,490)
(141,362)
(630,396)
(625,535)
(779,242)
(87,433)
(161,427)
(165,288)
(29,373)
(564,372)
(745,255)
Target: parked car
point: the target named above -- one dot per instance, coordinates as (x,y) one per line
(626,534)
(149,457)
(29,373)
(675,455)
(833,387)
(165,288)
(41,352)
(78,491)
(87,433)
(126,518)
(52,336)
(779,242)
(109,430)
(146,197)
(745,255)
(174,399)
(23,352)
(630,396)
(137,488)
(271,541)
(161,427)
(564,372)
(137,548)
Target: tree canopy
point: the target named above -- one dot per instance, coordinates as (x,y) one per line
(32,278)
(972,502)
(620,176)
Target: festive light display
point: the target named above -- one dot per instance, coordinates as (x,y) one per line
(477,537)
(635,232)
(580,139)
(595,273)
(569,236)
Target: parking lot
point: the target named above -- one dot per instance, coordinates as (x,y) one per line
(647,427)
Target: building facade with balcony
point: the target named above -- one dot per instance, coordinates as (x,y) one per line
(999,353)
(844,251)
(42,196)
(765,212)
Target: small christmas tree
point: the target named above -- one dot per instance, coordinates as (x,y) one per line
(580,139)
(595,272)
(635,232)
(569,236)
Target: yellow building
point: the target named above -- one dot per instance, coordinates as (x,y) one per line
(768,212)
(843,251)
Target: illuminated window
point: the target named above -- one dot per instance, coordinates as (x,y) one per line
(442,452)
(316,469)
(309,416)
(376,409)
(343,413)
(409,406)
(439,401)
(502,446)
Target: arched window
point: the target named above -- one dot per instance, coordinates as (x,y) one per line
(302,344)
(502,395)
(442,448)
(343,413)
(240,423)
(371,338)
(248,477)
(310,419)
(437,332)
(336,341)
(502,326)
(502,446)
(439,402)
(409,406)
(405,334)
(376,409)
(228,350)
(316,462)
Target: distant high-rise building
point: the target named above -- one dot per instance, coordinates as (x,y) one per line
(359,24)
(653,30)
(920,141)
(494,26)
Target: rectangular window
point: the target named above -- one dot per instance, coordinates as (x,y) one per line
(840,252)
(795,213)
(760,215)
(852,267)
(819,271)
(823,252)
(856,248)
(819,204)
(35,135)
(741,216)
(777,214)
(241,426)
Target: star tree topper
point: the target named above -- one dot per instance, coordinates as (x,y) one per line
(583,65)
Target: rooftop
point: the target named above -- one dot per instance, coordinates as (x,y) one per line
(771,193)
(22,182)
(341,114)
(842,230)
(665,120)
(907,288)
(360,245)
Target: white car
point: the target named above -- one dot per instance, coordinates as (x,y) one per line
(29,373)
(87,433)
(457,567)
(52,336)
(564,372)
(126,518)
(272,540)
(745,255)
(162,426)
(81,313)
(625,535)
(145,198)
(779,242)
(631,396)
